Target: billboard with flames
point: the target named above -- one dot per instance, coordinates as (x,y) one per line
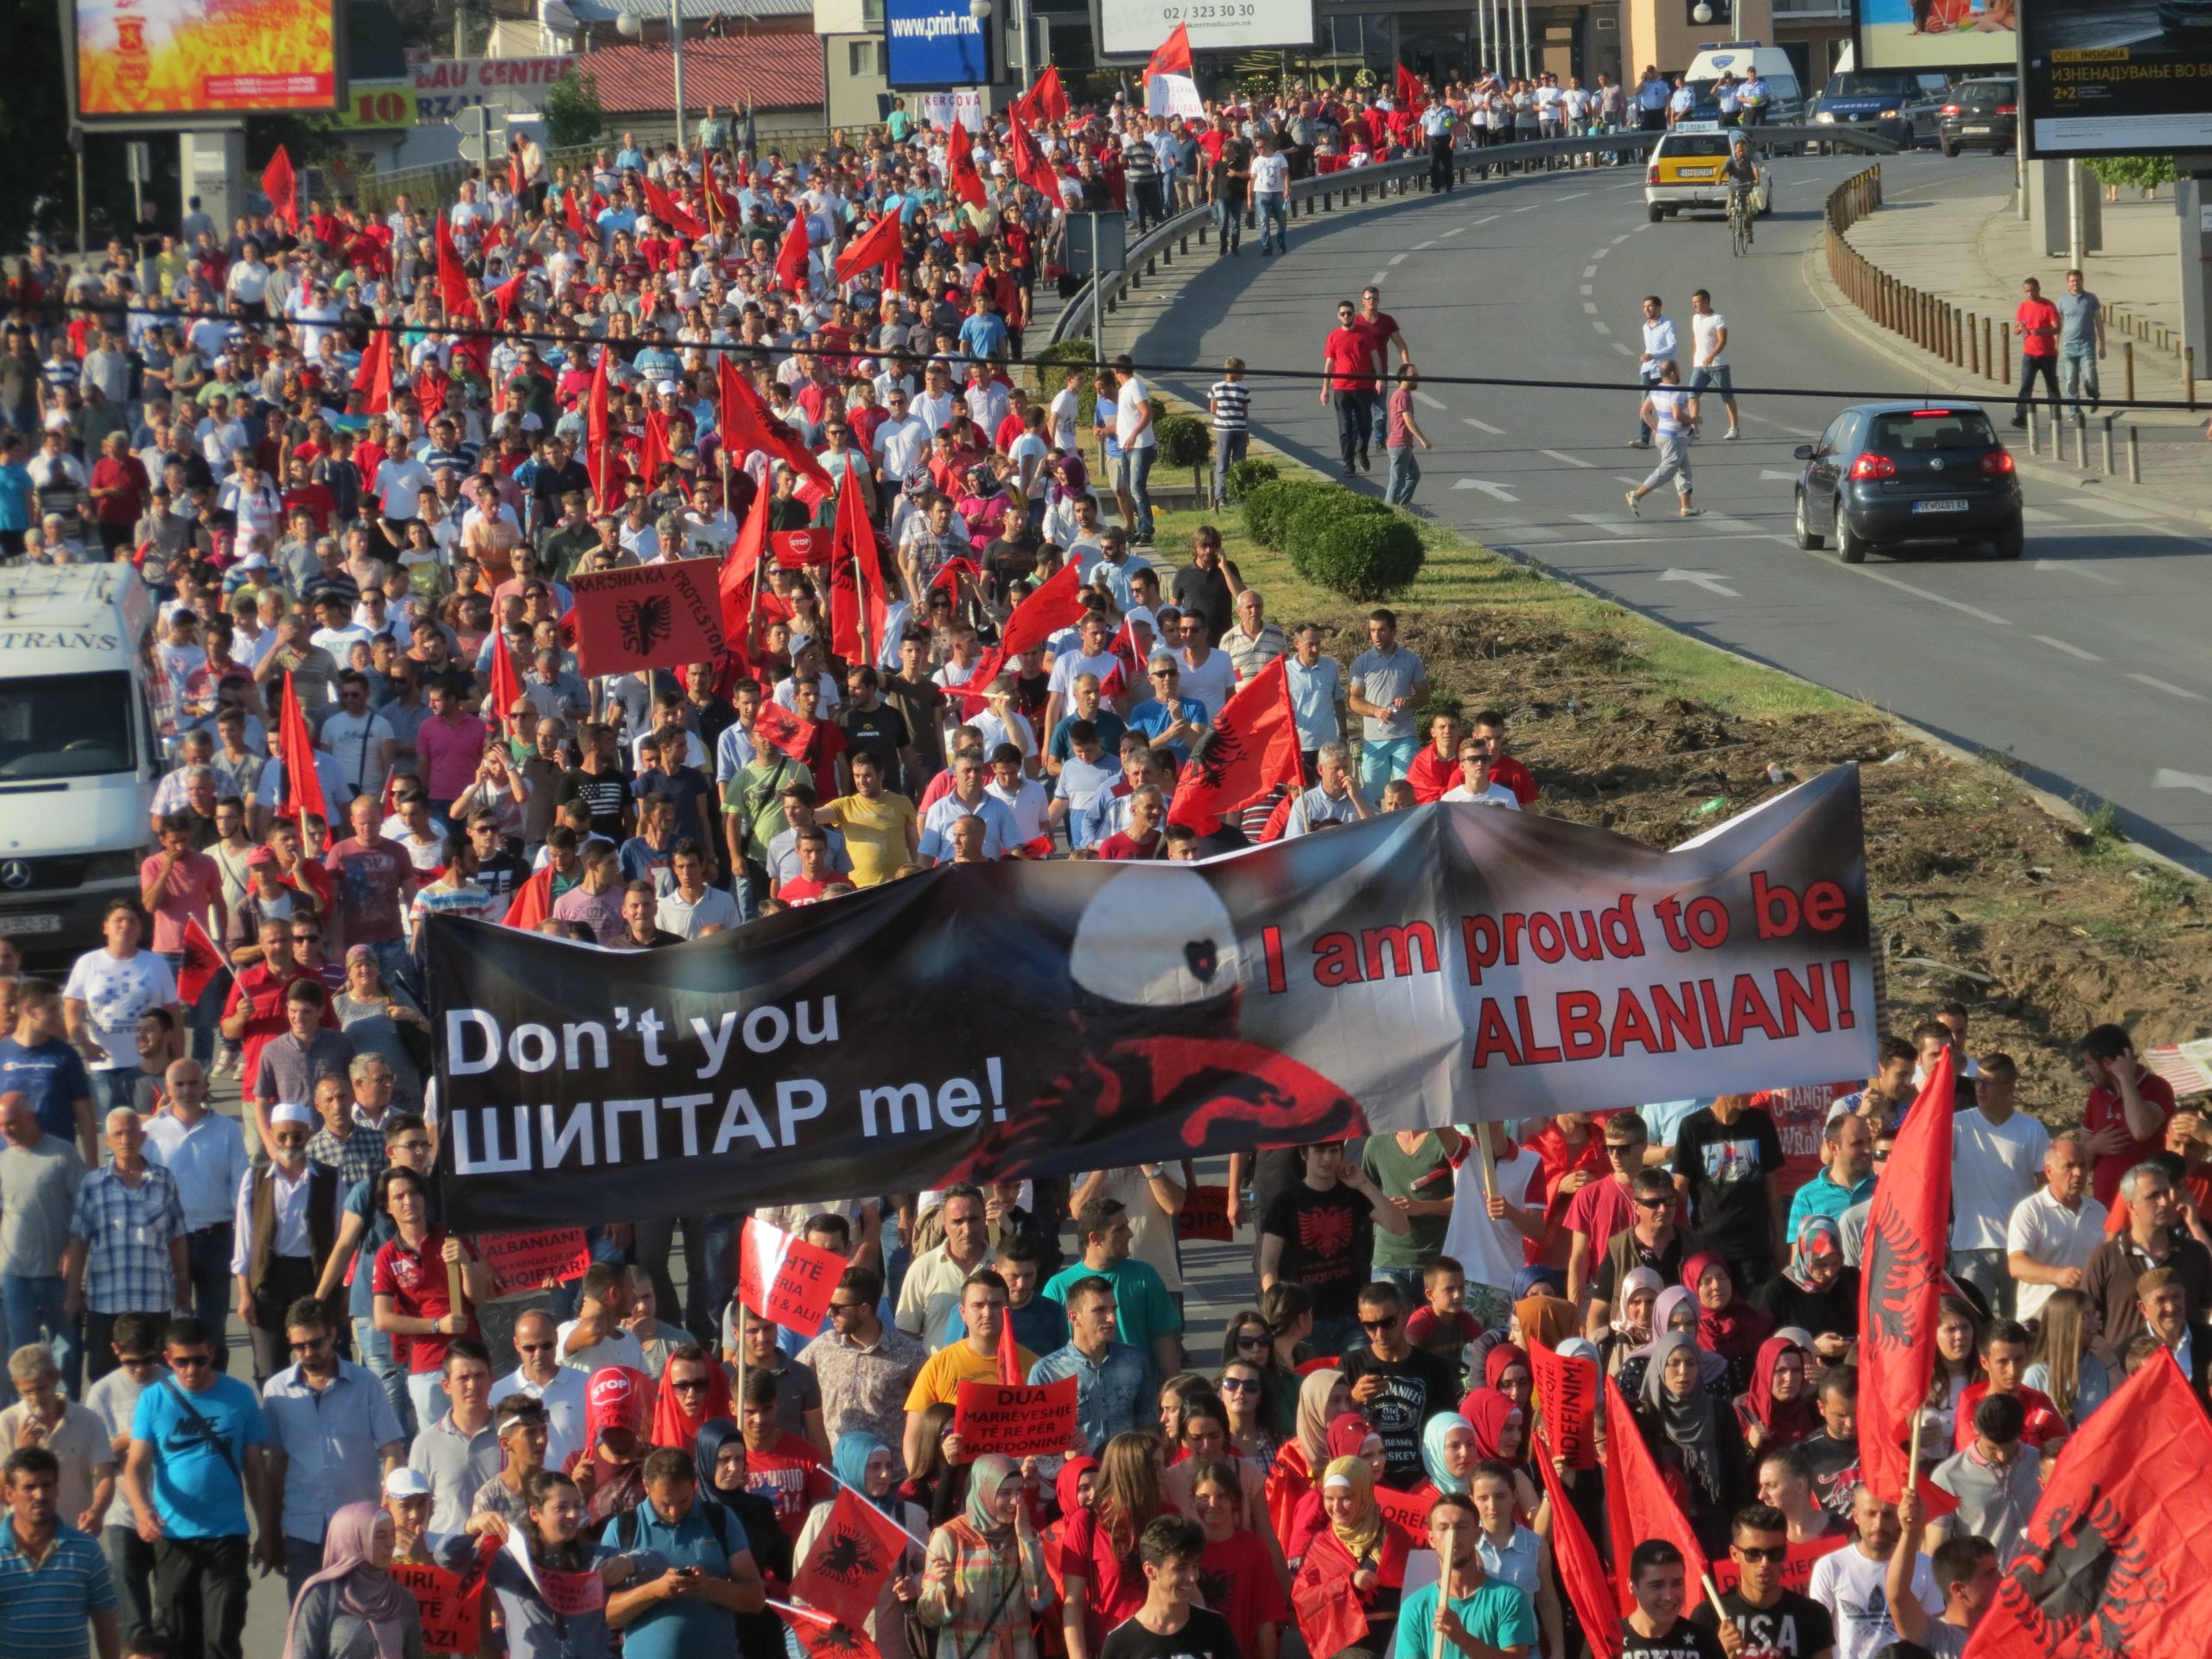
(150,60)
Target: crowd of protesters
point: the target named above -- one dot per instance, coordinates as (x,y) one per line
(244,1339)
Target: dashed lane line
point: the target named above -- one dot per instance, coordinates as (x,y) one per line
(1562,455)
(2166,686)
(2071,650)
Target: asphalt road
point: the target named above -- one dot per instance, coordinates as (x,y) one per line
(2087,659)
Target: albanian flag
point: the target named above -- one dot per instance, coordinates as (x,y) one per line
(856,1551)
(856,606)
(791,258)
(202,962)
(453,281)
(599,439)
(1057,605)
(881,244)
(374,375)
(1252,748)
(2113,1561)
(785,730)
(740,571)
(822,1637)
(1901,1280)
(506,685)
(302,782)
(283,190)
(1047,98)
(961,177)
(1411,94)
(747,424)
(1638,1505)
(1580,1573)
(1172,56)
(532,903)
(1030,165)
(666,210)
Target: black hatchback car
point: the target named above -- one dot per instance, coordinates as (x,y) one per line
(1886,475)
(1980,115)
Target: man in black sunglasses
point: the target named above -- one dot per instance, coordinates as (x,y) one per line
(1769,1618)
(1396,1385)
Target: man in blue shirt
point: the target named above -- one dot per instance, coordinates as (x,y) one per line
(196,1441)
(38,1062)
(1109,1375)
(1847,1177)
(983,332)
(706,1574)
(53,1581)
(1170,720)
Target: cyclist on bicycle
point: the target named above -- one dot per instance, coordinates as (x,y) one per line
(1741,173)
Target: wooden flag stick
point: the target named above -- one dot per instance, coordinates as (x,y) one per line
(1912,1461)
(1490,1163)
(1443,1591)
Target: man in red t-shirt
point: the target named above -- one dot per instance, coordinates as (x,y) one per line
(119,490)
(816,880)
(1436,768)
(782,1467)
(1381,330)
(2125,1114)
(1351,370)
(1605,1207)
(1489,731)
(2037,324)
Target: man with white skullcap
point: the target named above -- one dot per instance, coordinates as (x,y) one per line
(284,1229)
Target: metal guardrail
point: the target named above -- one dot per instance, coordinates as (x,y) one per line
(1327,192)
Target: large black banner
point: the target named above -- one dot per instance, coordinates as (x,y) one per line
(1441,965)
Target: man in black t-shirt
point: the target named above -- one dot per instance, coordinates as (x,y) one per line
(1774,1623)
(1396,1386)
(1726,1158)
(601,782)
(1831,1452)
(499,872)
(1320,1234)
(871,724)
(1656,1629)
(1171,1625)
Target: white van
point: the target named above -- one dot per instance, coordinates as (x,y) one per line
(1785,97)
(78,754)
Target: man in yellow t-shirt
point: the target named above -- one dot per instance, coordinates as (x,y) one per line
(975,1357)
(882,830)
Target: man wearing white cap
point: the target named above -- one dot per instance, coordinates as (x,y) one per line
(285,1226)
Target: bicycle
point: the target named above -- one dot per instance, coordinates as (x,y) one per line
(1739,220)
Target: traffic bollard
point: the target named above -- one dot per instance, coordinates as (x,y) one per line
(2108,466)
(2135,457)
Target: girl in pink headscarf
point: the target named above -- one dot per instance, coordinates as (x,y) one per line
(355,1592)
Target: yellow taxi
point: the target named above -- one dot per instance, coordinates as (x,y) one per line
(1684,172)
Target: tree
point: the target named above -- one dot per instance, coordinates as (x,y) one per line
(573,116)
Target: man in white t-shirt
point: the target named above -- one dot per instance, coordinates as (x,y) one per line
(360,737)
(1852,1583)
(1995,1152)
(1139,445)
(596,1336)
(2052,1231)
(1066,405)
(560,1389)
(1476,785)
(1271,194)
(1489,1247)
(1709,359)
(1090,656)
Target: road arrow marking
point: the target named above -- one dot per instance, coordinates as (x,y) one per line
(2165,779)
(1498,491)
(1704,579)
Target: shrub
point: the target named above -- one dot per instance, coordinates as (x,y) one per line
(1363,556)
(1269,507)
(1185,442)
(1248,474)
(1052,359)
(1331,503)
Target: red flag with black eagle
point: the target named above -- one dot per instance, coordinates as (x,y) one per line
(1638,1505)
(792,257)
(1128,661)
(1901,1282)
(282,187)
(882,243)
(1048,98)
(747,420)
(858,1548)
(1411,94)
(961,177)
(598,438)
(1056,605)
(820,1636)
(856,604)
(374,375)
(740,571)
(1580,1573)
(506,684)
(202,962)
(1252,748)
(302,782)
(453,280)
(2112,1560)
(1172,56)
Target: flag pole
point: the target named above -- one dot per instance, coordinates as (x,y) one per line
(1443,1590)
(1490,1162)
(1912,1461)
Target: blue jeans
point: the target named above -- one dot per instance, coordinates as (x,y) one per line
(1381,759)
(1228,222)
(34,1304)
(1405,473)
(1274,225)
(1382,434)
(372,1348)
(112,1089)
(1136,471)
(207,1259)
(1229,448)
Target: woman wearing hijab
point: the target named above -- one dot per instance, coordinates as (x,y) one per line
(1350,1435)
(1726,1323)
(1816,1291)
(1777,1410)
(1355,1546)
(985,1581)
(694,1391)
(1628,1331)
(1447,1452)
(1693,1437)
(1674,1309)
(1322,1397)
(718,1457)
(1548,1319)
(354,1609)
(865,1464)
(1507,1371)
(1500,1431)
(1074,1489)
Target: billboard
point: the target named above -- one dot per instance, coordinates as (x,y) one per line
(149,61)
(1936,34)
(446,86)
(2117,79)
(1130,28)
(930,43)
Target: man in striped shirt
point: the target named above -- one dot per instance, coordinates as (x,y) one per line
(1229,401)
(53,1581)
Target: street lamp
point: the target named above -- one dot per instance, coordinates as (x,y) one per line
(630,28)
(981,11)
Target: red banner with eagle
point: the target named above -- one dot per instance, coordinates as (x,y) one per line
(652,616)
(1901,1282)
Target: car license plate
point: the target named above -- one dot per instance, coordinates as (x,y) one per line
(1975,130)
(30,924)
(1695,173)
(1939,507)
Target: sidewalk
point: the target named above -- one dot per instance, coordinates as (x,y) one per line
(1973,252)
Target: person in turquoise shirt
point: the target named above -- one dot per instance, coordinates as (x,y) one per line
(1486,1612)
(1847,1174)
(15,497)
(694,1568)
(1148,1319)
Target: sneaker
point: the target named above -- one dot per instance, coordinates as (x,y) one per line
(1634,505)
(1691,512)
(1733,434)
(1639,443)
(2020,423)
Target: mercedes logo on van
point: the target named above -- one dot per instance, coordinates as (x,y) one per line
(15,875)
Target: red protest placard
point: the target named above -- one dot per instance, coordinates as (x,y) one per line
(652,616)
(1020,1422)
(795,550)
(450,1618)
(534,1260)
(1205,1214)
(1408,1512)
(1566,1403)
(1796,1567)
(785,1279)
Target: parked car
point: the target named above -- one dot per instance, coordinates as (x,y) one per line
(1886,475)
(1981,115)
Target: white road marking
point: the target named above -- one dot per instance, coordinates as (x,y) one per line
(2071,650)
(1598,521)
(1706,579)
(1974,611)
(1599,253)
(2163,779)
(1587,290)
(1618,346)
(1497,491)
(1378,277)
(1625,236)
(1589,270)
(1485,219)
(2040,516)
(1769,476)
(2126,510)
(1456,229)
(1397,258)
(1423,247)
(1562,455)
(2066,565)
(2166,686)
(1428,402)
(1602,327)
(1574,195)
(1589,305)
(1484,426)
